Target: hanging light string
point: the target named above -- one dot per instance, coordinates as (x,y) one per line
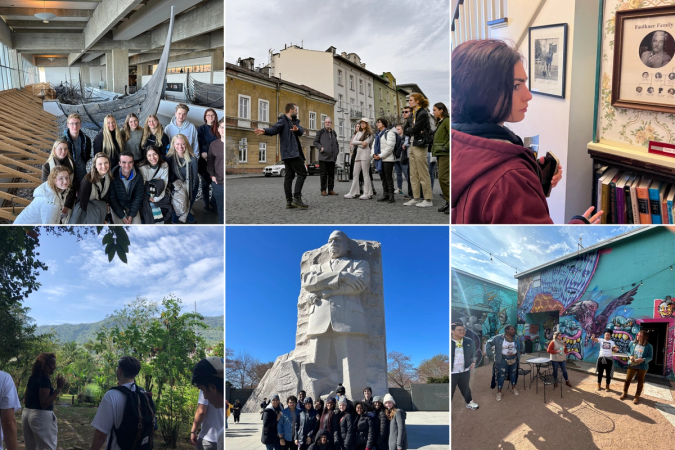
(629,286)
(488,252)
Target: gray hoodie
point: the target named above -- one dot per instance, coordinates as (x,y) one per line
(187,129)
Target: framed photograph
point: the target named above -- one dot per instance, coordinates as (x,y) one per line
(548,59)
(644,69)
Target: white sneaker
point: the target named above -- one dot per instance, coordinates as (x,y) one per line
(411,202)
(515,391)
(499,396)
(365,197)
(425,204)
(349,196)
(472,405)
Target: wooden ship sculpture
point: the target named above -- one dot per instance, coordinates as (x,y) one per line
(204,94)
(143,102)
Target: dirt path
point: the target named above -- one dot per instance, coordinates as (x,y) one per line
(75,431)
(584,418)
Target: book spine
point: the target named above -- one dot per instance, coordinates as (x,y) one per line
(655,206)
(612,203)
(634,202)
(605,203)
(670,211)
(664,211)
(620,206)
(643,206)
(628,210)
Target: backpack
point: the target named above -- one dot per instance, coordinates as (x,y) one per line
(398,147)
(138,423)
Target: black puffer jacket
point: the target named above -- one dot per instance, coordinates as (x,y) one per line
(420,129)
(346,431)
(381,428)
(269,430)
(327,446)
(120,199)
(363,431)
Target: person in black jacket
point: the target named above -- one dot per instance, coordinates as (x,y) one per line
(263,405)
(318,405)
(381,424)
(344,439)
(308,425)
(462,360)
(323,441)
(364,432)
(329,149)
(329,420)
(110,140)
(269,430)
(206,134)
(126,192)
(79,146)
(368,398)
(418,129)
(289,129)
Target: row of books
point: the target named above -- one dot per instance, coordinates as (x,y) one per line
(627,198)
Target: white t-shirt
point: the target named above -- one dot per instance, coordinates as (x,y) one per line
(110,412)
(606,347)
(221,440)
(8,397)
(508,348)
(458,365)
(213,421)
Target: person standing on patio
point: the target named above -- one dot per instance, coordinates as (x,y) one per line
(506,350)
(641,353)
(558,355)
(463,360)
(605,360)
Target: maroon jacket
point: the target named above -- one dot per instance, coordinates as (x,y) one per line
(496,182)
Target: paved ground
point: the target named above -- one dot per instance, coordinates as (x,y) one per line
(426,430)
(256,199)
(584,418)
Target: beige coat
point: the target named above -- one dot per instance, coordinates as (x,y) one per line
(362,153)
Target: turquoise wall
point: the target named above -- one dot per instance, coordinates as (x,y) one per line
(615,287)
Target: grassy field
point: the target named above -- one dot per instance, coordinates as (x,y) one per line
(76,432)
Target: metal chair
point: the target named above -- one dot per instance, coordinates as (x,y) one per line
(547,379)
(524,372)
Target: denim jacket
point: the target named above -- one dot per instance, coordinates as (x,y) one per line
(285,424)
(496,342)
(647,355)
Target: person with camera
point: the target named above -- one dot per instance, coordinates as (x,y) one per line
(419,131)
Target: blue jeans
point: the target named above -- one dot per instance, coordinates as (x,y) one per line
(401,170)
(563,367)
(505,371)
(219,197)
(432,169)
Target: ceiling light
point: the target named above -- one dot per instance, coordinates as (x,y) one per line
(45,21)
(45,16)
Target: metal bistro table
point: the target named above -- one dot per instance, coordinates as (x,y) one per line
(538,362)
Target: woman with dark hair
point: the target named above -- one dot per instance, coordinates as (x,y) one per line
(641,353)
(605,362)
(329,420)
(40,430)
(318,406)
(418,129)
(206,134)
(353,149)
(92,204)
(155,172)
(383,154)
(495,178)
(381,423)
(441,150)
(271,416)
(364,430)
(362,140)
(505,350)
(558,354)
(236,411)
(308,424)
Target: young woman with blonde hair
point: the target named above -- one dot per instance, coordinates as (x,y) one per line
(60,156)
(48,205)
(182,168)
(153,134)
(110,141)
(92,206)
(132,133)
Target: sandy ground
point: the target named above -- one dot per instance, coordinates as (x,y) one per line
(584,418)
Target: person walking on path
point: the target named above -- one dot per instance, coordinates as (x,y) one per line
(441,150)
(40,428)
(641,353)
(290,130)
(463,360)
(329,149)
(9,405)
(605,360)
(506,350)
(558,354)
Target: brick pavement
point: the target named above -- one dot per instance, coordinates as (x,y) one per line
(260,200)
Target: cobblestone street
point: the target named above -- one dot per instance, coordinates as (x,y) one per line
(259,200)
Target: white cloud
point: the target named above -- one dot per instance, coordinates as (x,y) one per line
(465,248)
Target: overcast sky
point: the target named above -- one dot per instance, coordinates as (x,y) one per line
(410,39)
(524,247)
(81,286)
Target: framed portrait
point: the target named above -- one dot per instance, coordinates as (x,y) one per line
(644,64)
(548,59)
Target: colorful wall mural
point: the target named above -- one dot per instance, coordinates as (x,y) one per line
(611,288)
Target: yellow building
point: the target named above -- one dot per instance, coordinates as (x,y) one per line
(253,99)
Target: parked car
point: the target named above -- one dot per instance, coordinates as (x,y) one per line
(275,169)
(313,168)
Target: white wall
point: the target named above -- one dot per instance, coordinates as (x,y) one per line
(563,125)
(309,67)
(57,75)
(218,77)
(96,74)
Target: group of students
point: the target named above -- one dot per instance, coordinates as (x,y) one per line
(505,350)
(125,418)
(336,424)
(145,174)
(413,148)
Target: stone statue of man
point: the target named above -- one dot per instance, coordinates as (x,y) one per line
(337,324)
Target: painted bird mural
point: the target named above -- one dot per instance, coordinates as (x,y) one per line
(584,313)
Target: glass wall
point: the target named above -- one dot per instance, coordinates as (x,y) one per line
(29,72)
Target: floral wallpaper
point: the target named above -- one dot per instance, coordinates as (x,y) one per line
(630,126)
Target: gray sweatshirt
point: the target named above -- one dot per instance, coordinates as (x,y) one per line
(133,145)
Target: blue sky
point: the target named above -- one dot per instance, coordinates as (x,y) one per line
(524,247)
(263,285)
(409,39)
(81,286)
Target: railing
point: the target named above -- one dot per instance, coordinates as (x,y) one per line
(474,18)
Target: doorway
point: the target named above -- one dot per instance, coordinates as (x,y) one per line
(657,333)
